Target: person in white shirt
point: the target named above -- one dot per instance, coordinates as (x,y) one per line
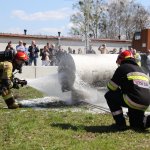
(20,46)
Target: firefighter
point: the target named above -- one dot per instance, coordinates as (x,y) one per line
(129,87)
(6,77)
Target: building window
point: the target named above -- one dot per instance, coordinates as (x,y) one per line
(137,36)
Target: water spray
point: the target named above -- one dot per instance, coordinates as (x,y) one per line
(75,78)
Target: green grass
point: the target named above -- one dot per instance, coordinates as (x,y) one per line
(53,130)
(27,92)
(50,129)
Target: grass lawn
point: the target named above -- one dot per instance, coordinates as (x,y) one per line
(50,129)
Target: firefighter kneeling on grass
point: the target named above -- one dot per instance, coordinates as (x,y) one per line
(6,77)
(129,87)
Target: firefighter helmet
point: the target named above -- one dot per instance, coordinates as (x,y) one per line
(124,55)
(21,56)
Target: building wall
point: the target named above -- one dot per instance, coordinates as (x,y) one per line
(65,42)
(141,40)
(40,42)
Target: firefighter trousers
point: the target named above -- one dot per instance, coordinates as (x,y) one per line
(115,102)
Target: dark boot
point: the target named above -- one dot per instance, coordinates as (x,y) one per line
(120,122)
(147,121)
(11,103)
(136,119)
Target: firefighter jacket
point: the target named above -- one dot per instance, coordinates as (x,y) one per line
(6,70)
(6,74)
(134,84)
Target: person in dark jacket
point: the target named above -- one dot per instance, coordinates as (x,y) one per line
(129,87)
(33,53)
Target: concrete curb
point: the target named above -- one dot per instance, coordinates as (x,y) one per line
(32,72)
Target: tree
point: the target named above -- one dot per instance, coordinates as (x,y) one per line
(87,13)
(115,19)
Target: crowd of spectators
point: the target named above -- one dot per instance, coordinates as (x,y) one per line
(50,55)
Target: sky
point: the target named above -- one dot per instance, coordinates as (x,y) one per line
(40,17)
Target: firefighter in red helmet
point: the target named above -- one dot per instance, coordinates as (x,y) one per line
(6,77)
(129,87)
(19,59)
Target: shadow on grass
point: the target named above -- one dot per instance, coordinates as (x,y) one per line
(93,129)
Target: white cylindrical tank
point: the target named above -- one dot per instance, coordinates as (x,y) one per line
(90,68)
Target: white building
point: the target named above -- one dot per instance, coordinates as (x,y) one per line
(65,42)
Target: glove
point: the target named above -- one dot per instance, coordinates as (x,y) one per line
(22,82)
(15,85)
(7,83)
(4,91)
(17,82)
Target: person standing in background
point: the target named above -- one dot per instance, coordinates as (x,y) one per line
(103,49)
(20,47)
(70,50)
(26,51)
(45,56)
(9,51)
(79,51)
(137,57)
(9,46)
(51,51)
(33,53)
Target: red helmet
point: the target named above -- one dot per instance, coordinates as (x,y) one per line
(21,56)
(124,55)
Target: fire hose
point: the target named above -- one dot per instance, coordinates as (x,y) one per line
(100,108)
